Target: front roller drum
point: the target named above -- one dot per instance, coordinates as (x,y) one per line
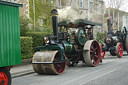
(91,53)
(46,68)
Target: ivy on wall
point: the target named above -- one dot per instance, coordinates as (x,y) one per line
(42,12)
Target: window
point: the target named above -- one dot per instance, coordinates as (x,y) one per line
(86,4)
(81,3)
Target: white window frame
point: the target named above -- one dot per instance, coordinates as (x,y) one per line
(81,3)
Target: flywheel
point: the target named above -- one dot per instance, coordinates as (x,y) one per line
(80,36)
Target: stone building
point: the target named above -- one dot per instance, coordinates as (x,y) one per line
(24,11)
(95,7)
(93,10)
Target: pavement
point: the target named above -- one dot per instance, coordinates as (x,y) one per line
(23,69)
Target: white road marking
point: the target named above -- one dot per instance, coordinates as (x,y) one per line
(99,76)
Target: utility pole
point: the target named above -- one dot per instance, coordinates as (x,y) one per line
(103,18)
(113,19)
(34,13)
(118,21)
(89,10)
(60,5)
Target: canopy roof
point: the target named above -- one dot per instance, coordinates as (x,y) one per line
(10,4)
(78,23)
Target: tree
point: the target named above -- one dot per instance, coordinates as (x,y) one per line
(42,11)
(117,4)
(24,25)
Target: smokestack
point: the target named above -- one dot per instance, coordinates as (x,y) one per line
(109,26)
(54,14)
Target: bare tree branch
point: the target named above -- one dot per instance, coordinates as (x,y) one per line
(117,4)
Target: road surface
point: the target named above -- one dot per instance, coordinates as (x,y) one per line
(112,71)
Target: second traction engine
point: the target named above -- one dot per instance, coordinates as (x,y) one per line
(115,42)
(71,42)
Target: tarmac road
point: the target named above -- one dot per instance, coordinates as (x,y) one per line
(112,71)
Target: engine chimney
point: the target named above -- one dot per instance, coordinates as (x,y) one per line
(109,24)
(54,14)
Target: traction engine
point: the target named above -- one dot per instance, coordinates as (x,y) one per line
(71,42)
(115,42)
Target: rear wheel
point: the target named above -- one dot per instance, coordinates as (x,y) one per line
(119,50)
(92,54)
(5,76)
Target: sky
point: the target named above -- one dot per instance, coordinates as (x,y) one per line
(124,6)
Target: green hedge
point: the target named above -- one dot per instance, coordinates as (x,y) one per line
(101,37)
(26,47)
(37,38)
(24,25)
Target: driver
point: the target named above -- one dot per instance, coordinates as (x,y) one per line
(89,34)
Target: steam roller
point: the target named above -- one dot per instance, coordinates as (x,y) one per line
(71,42)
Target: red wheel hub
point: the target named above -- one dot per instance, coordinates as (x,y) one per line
(95,53)
(60,67)
(120,50)
(3,79)
(102,52)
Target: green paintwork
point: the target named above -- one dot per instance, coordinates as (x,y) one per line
(81,37)
(68,47)
(64,23)
(10,51)
(10,4)
(113,48)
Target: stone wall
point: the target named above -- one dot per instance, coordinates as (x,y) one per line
(96,9)
(24,11)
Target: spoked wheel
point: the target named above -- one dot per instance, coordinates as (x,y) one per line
(47,68)
(113,53)
(102,52)
(59,67)
(71,63)
(119,50)
(5,77)
(92,54)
